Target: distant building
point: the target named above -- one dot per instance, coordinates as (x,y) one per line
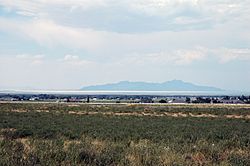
(34,98)
(147,100)
(178,101)
(231,101)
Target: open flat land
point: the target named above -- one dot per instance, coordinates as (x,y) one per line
(124,134)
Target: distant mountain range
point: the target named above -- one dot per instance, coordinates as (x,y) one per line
(174,85)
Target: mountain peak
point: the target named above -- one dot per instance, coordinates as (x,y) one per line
(175,81)
(123,82)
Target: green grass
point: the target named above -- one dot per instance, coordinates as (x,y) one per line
(59,138)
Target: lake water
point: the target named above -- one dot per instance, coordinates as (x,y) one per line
(160,93)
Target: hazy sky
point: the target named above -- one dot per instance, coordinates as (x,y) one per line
(67,44)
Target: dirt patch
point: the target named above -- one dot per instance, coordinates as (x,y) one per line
(147,113)
(247,116)
(26,144)
(73,105)
(67,143)
(47,111)
(98,145)
(199,158)
(77,113)
(203,115)
(179,114)
(235,116)
(167,114)
(83,113)
(8,130)
(127,114)
(19,111)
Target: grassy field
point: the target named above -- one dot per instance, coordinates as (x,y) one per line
(81,134)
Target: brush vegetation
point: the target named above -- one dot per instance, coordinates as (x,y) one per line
(80,134)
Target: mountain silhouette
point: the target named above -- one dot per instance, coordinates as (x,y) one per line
(174,85)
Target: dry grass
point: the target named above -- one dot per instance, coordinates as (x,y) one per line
(148,112)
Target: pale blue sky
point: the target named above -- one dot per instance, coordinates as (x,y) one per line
(64,44)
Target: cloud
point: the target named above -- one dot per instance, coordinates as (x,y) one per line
(181,50)
(20,6)
(185,57)
(172,58)
(118,28)
(76,60)
(31,59)
(131,38)
(27,56)
(162,7)
(188,56)
(130,16)
(71,58)
(42,7)
(226,55)
(46,32)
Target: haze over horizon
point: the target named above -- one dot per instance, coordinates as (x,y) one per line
(71,44)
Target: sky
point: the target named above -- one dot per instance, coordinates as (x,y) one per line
(68,44)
